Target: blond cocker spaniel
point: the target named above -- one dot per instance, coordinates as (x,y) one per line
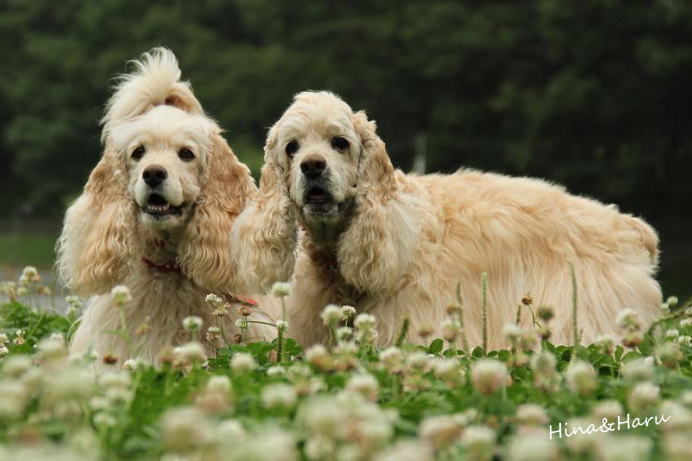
(155,216)
(397,245)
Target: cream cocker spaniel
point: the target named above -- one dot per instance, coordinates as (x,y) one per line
(397,245)
(155,216)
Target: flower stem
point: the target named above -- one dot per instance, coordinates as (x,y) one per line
(484,310)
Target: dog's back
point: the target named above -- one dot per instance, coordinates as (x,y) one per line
(523,232)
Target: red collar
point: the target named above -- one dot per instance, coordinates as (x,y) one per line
(166,267)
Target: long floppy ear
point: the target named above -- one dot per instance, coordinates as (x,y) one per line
(375,169)
(204,252)
(376,249)
(94,246)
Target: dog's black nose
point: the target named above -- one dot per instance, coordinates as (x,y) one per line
(313,166)
(154,175)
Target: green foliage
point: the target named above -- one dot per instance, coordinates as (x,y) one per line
(592,94)
(132,414)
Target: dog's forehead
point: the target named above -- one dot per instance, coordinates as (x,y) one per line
(164,125)
(303,117)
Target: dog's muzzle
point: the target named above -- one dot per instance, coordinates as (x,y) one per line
(159,208)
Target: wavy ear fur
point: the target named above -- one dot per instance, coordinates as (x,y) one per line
(94,246)
(376,172)
(377,247)
(204,252)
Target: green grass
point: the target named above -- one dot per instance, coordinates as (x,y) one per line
(36,246)
(345,401)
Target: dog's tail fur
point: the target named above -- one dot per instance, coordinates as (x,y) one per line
(154,81)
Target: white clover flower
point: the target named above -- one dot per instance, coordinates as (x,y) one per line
(219,384)
(448,370)
(278,396)
(607,342)
(320,447)
(133,364)
(581,377)
(13,398)
(348,311)
(192,323)
(672,301)
(489,375)
(363,384)
(30,274)
(331,315)
(114,380)
(3,338)
(641,369)
(628,320)
(532,447)
(624,448)
(104,419)
(511,332)
(281,325)
(323,416)
(479,442)
(213,334)
(532,414)
(684,340)
(439,431)
(51,349)
(99,404)
(406,450)
(213,300)
(243,362)
(276,371)
(391,354)
(68,383)
(317,354)
(680,417)
(121,295)
(608,409)
(543,362)
(241,323)
(450,330)
(267,444)
(192,352)
(686,322)
(281,289)
(644,398)
(16,365)
(419,361)
(344,334)
(231,430)
(117,397)
(364,322)
(669,354)
(74,302)
(22,291)
(3,350)
(185,428)
(677,447)
(671,333)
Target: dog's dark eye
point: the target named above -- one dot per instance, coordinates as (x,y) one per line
(339,143)
(292,147)
(138,153)
(186,154)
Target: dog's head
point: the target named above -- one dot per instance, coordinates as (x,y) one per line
(327,154)
(166,154)
(165,168)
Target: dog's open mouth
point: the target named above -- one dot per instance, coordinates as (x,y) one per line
(318,201)
(158,207)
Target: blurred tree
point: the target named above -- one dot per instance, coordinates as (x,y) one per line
(593,94)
